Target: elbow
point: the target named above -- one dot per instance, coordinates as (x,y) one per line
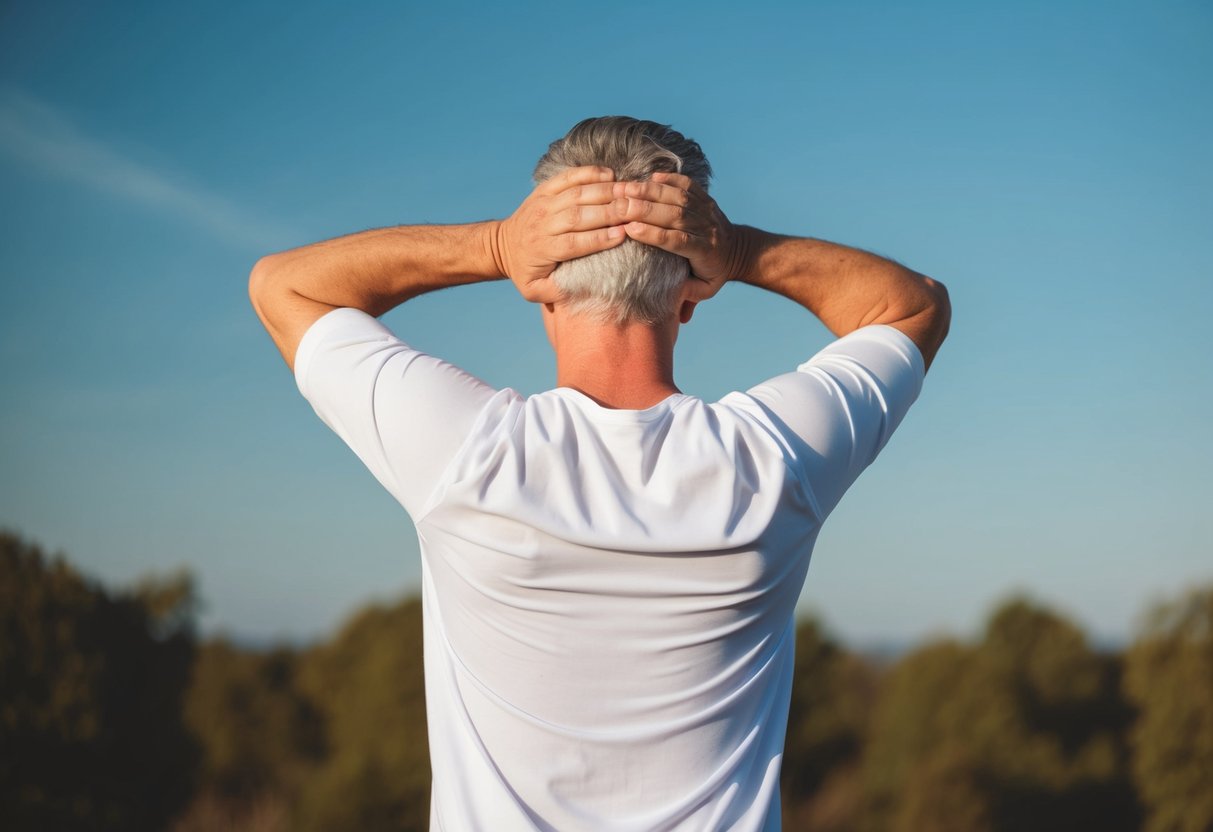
(942,306)
(257,277)
(259,280)
(936,319)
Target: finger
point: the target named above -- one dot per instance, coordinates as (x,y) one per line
(653,192)
(580,243)
(543,290)
(699,289)
(655,213)
(667,239)
(580,208)
(678,180)
(597,193)
(585,218)
(573,212)
(572,177)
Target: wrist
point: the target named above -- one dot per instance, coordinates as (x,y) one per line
(494,243)
(743,247)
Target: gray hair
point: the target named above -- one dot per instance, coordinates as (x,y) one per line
(632,281)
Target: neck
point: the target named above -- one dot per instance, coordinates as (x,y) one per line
(624,366)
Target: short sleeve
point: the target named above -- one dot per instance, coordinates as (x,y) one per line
(403,412)
(839,409)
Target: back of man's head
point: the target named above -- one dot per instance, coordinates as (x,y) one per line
(632,281)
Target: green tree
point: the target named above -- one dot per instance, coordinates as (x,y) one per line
(832,696)
(1024,729)
(91,685)
(1169,676)
(944,793)
(260,735)
(368,684)
(1068,766)
(925,705)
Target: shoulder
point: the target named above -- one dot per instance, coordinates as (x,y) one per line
(835,412)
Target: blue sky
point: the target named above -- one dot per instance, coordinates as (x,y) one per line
(1052,164)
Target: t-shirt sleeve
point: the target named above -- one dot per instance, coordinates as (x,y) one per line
(839,409)
(403,412)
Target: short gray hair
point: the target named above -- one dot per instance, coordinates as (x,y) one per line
(632,281)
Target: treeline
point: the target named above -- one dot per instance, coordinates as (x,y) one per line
(114,715)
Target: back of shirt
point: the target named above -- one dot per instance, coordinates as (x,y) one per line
(608,594)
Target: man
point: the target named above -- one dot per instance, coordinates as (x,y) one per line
(609,568)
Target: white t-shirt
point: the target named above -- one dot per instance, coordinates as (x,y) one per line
(607,594)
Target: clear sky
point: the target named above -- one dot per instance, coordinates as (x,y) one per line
(1051,163)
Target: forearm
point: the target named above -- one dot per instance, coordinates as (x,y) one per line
(567,216)
(379,269)
(845,287)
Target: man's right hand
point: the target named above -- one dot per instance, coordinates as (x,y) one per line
(570,215)
(673,213)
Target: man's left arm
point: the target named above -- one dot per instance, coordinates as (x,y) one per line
(568,216)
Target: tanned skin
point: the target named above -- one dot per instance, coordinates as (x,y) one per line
(582,211)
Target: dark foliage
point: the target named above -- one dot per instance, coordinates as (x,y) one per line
(112,717)
(91,689)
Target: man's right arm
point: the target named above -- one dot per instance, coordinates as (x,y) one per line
(845,287)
